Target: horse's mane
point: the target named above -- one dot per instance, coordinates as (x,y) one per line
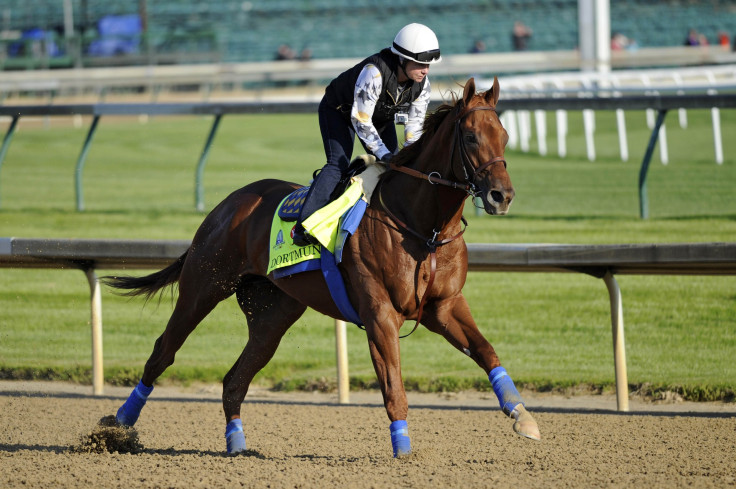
(431,124)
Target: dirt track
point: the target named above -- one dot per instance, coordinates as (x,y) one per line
(305,440)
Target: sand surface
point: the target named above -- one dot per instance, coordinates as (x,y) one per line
(305,440)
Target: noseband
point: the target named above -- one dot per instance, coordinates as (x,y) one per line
(435,178)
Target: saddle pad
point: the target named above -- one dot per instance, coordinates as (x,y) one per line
(323,225)
(282,250)
(289,209)
(333,224)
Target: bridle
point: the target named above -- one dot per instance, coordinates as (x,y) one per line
(468,186)
(465,158)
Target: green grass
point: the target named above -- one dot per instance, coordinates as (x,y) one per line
(552,331)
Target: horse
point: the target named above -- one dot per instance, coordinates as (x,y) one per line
(406,260)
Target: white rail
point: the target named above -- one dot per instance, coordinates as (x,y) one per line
(699,80)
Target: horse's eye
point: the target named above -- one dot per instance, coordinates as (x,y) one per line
(470,138)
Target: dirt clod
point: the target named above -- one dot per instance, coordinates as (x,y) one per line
(109,436)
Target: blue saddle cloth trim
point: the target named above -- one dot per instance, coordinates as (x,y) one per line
(289,211)
(337,287)
(349,224)
(303,266)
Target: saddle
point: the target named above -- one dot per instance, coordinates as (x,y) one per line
(289,209)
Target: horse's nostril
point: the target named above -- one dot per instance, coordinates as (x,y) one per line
(496,196)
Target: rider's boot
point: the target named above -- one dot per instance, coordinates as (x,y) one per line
(317,197)
(302,237)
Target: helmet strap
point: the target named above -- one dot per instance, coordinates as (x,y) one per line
(402,65)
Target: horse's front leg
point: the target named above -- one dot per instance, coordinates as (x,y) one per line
(452,319)
(383,342)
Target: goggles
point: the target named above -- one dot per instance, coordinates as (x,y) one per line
(423,57)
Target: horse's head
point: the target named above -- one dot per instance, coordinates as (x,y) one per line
(480,141)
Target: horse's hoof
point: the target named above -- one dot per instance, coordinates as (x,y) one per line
(525,424)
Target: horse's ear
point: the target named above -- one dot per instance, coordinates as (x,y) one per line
(469,92)
(492,94)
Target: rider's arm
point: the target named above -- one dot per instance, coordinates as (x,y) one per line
(367,90)
(417,113)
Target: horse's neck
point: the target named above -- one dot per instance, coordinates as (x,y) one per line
(423,206)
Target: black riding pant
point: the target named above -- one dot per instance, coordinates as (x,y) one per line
(338,137)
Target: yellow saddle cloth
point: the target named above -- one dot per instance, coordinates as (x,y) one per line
(323,225)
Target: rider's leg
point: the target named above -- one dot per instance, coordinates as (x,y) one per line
(338,137)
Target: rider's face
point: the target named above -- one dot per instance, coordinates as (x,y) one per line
(414,71)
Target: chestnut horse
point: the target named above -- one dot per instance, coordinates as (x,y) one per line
(406,261)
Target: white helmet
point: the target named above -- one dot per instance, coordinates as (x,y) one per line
(418,43)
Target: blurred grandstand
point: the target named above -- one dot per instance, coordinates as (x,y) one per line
(36,34)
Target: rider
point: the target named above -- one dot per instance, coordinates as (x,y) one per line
(387,88)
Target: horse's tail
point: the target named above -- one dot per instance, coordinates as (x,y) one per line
(148,285)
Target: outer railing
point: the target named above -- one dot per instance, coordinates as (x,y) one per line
(209,76)
(601,261)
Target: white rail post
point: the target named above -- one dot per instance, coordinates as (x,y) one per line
(619,345)
(561,122)
(664,154)
(525,129)
(589,127)
(510,122)
(715,114)
(540,118)
(682,113)
(623,143)
(98,378)
(343,379)
(589,122)
(561,117)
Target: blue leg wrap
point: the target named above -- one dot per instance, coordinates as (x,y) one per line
(129,412)
(235,436)
(400,438)
(505,389)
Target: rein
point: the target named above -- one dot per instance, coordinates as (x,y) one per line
(435,179)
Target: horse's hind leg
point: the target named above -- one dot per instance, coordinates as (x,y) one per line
(270,313)
(197,298)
